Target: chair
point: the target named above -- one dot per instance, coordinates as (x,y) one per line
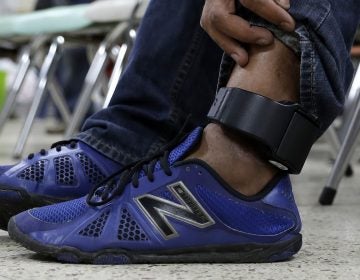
(51,29)
(102,56)
(348,146)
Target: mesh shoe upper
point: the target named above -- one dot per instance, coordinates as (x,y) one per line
(65,173)
(63,212)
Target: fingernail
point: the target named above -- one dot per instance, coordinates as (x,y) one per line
(284,3)
(263,42)
(239,60)
(235,57)
(286,26)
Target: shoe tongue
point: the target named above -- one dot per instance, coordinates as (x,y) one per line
(185,146)
(188,143)
(181,150)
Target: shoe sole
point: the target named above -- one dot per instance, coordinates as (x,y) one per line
(248,253)
(14,201)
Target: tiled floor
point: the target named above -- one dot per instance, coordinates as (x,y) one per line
(331,236)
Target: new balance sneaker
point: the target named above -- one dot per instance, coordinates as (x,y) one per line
(65,172)
(167,210)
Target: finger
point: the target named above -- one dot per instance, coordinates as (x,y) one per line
(241,30)
(272,12)
(231,47)
(283,3)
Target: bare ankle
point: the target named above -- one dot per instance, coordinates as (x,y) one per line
(235,159)
(273,72)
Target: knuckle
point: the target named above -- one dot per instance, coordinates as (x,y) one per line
(215,17)
(203,23)
(251,3)
(211,18)
(245,3)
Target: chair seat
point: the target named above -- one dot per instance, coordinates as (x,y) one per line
(69,18)
(53,20)
(114,10)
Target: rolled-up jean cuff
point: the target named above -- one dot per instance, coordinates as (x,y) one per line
(289,39)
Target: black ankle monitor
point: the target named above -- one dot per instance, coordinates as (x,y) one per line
(284,130)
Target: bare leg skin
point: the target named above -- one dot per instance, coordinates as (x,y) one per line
(273,72)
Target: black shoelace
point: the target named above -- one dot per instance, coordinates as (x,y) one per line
(58,146)
(116,183)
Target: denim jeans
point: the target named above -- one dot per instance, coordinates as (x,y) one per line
(173,71)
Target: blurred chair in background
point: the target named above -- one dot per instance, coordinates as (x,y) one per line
(348,134)
(70,73)
(86,25)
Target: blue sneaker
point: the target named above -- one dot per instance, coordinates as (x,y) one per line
(166,210)
(65,172)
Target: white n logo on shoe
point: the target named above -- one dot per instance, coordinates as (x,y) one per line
(189,211)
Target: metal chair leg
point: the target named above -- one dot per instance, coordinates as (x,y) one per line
(46,72)
(334,141)
(91,82)
(93,78)
(24,64)
(350,105)
(347,149)
(22,70)
(120,63)
(96,69)
(59,100)
(116,74)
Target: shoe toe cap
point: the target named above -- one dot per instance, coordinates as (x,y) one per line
(28,224)
(50,217)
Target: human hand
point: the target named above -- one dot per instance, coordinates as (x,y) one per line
(228,30)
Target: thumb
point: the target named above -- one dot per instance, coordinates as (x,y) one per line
(283,3)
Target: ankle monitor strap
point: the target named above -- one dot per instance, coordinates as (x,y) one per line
(286,132)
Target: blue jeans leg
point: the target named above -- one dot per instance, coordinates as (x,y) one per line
(172,71)
(326,29)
